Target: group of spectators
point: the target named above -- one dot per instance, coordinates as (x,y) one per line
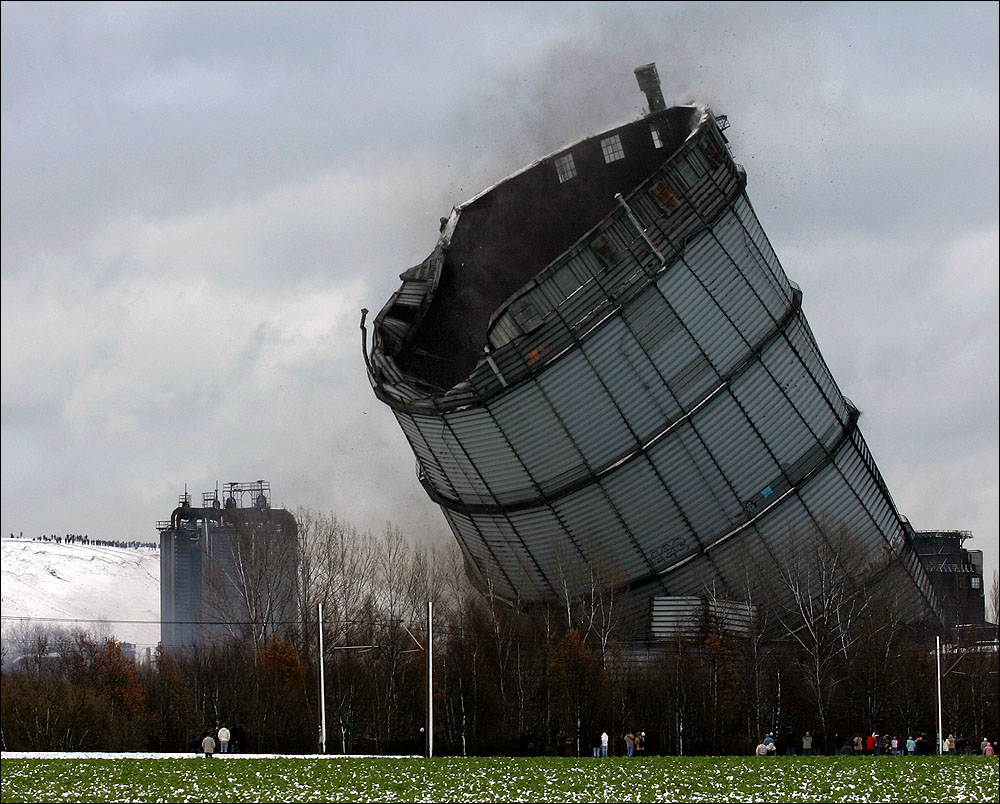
(635,744)
(76,538)
(220,739)
(874,744)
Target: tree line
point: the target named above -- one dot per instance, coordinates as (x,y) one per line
(508,678)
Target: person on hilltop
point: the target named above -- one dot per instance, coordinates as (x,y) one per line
(208,746)
(223,740)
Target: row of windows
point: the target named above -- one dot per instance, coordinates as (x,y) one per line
(612,149)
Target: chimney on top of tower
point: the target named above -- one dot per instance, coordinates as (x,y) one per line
(649,82)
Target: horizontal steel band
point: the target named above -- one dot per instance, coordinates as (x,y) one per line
(830,454)
(543,500)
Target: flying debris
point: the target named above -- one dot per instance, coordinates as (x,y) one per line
(604,372)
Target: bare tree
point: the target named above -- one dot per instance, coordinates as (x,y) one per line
(994,601)
(824,600)
(250,574)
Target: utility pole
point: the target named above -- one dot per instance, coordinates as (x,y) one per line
(430,679)
(940,734)
(322,685)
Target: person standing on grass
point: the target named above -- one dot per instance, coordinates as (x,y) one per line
(640,744)
(224,740)
(807,744)
(604,743)
(629,744)
(911,745)
(208,746)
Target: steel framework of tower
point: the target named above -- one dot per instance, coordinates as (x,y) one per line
(602,369)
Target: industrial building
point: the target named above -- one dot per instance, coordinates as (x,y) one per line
(955,573)
(606,376)
(227,568)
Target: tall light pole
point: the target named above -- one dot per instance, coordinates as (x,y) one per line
(322,685)
(430,679)
(937,651)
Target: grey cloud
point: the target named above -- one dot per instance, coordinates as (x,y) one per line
(198,197)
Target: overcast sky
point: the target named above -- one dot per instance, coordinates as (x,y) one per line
(198,199)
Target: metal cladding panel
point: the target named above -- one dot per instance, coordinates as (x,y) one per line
(579,309)
(517,563)
(683,616)
(771,282)
(698,578)
(650,515)
(579,399)
(451,456)
(630,378)
(796,381)
(834,504)
(801,339)
(486,562)
(869,487)
(782,530)
(749,319)
(672,353)
(773,415)
(559,558)
(470,538)
(744,461)
(539,438)
(744,283)
(411,294)
(879,508)
(493,458)
(680,359)
(650,319)
(695,483)
(676,616)
(590,517)
(747,561)
(437,477)
(707,322)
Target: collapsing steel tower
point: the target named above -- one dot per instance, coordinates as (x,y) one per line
(602,367)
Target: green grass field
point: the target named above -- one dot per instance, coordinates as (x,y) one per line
(932,779)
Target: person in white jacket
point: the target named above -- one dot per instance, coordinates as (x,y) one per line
(223,740)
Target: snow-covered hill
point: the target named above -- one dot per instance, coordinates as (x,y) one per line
(110,591)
